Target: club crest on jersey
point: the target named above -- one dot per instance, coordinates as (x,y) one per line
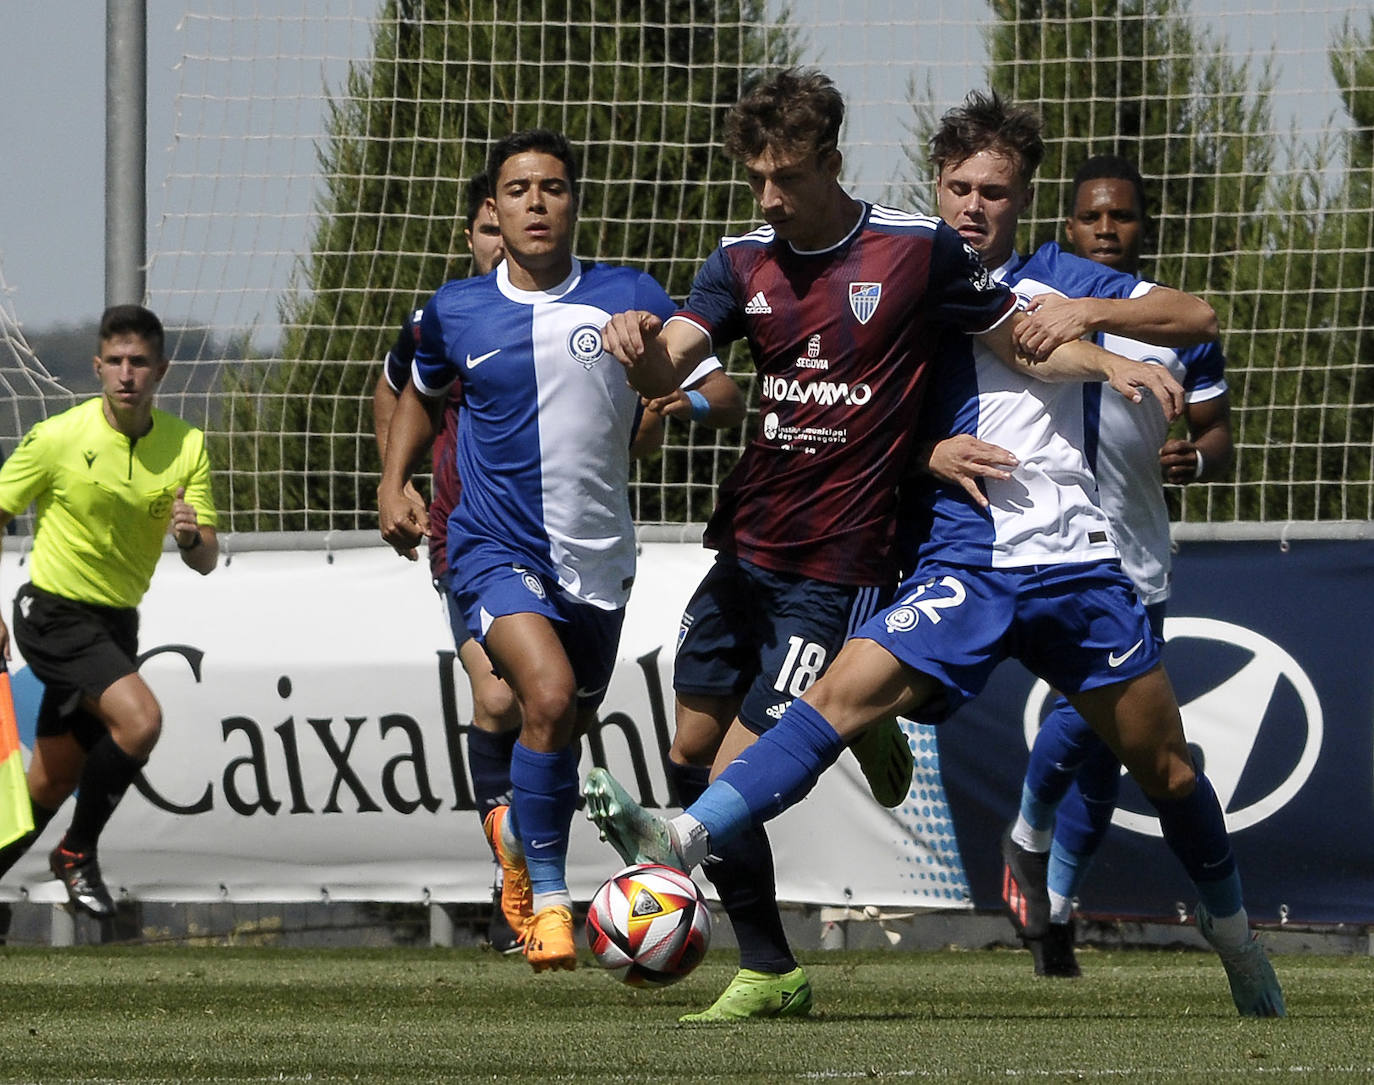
(863,300)
(584,344)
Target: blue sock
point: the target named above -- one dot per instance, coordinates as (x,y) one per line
(777,771)
(1038,814)
(1083,819)
(1195,830)
(489,758)
(1066,871)
(544,792)
(1060,746)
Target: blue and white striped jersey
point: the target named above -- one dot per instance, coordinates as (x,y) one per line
(1049,511)
(546,424)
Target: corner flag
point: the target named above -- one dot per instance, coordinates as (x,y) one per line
(16,815)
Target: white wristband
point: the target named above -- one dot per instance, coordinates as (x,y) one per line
(1197,471)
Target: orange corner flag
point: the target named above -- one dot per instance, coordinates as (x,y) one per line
(16,815)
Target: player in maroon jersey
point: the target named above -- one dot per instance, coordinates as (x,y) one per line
(837,299)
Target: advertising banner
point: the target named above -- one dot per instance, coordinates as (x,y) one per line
(1271,655)
(315,722)
(314,747)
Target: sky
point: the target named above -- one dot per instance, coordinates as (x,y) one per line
(52,129)
(52,76)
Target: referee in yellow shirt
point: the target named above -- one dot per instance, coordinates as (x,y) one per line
(108,477)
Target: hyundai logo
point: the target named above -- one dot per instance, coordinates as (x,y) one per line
(1225,721)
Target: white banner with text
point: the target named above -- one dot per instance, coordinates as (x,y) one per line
(314,747)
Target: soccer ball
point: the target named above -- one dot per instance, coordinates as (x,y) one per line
(649,925)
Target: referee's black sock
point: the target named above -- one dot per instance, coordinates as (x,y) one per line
(12,852)
(108,773)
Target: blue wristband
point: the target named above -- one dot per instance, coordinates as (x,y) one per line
(701,407)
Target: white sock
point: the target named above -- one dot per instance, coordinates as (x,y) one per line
(1061,907)
(1030,838)
(690,839)
(1233,930)
(510,843)
(560,898)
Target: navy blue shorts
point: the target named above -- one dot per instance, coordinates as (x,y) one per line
(589,635)
(1078,626)
(764,636)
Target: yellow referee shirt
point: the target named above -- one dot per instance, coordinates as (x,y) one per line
(103,500)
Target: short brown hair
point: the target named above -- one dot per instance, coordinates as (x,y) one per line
(132,320)
(797,109)
(986,122)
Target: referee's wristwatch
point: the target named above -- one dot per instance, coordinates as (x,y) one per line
(188,547)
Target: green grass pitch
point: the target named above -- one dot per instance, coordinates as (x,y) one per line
(157,1014)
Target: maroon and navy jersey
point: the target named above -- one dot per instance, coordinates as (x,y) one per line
(444,454)
(841,339)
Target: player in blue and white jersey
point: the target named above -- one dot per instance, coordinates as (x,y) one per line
(1027,569)
(541,544)
(1134,457)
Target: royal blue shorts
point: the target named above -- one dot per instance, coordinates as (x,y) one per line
(764,636)
(589,635)
(1077,626)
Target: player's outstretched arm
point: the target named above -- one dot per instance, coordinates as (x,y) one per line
(1081,360)
(1162,315)
(384,400)
(656,356)
(401,517)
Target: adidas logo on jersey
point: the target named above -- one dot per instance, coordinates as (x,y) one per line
(757,305)
(775,711)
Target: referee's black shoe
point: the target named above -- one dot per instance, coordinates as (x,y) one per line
(80,873)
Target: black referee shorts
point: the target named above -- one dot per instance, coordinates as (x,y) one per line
(77,650)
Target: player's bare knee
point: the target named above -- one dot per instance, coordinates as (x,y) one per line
(496,710)
(1167,776)
(137,734)
(1180,778)
(548,717)
(694,747)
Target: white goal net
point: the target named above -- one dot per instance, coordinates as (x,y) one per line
(309,192)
